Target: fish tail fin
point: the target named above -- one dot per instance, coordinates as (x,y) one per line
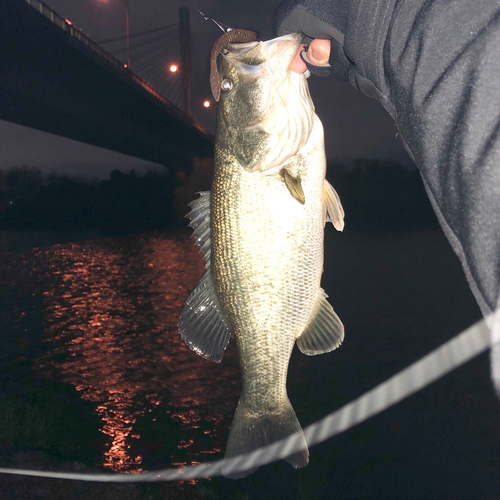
(251,431)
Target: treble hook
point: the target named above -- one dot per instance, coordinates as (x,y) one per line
(230,36)
(222,26)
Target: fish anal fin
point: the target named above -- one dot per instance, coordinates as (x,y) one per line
(333,210)
(202,324)
(325,331)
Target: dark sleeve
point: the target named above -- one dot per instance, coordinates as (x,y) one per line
(435,67)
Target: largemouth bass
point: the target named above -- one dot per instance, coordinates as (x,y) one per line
(261,231)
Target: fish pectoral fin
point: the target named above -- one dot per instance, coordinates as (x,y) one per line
(325,331)
(199,217)
(202,324)
(294,185)
(332,207)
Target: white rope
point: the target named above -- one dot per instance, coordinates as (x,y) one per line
(439,362)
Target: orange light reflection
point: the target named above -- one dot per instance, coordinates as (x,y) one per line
(111,315)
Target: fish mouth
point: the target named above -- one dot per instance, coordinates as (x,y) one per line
(284,47)
(237,50)
(256,59)
(246,42)
(287,124)
(277,53)
(275,114)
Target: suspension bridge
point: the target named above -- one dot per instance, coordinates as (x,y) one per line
(55,78)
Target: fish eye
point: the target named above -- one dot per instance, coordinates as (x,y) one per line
(226,85)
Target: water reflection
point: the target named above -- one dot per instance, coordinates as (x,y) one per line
(111,310)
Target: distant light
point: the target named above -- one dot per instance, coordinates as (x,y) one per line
(173,68)
(206,104)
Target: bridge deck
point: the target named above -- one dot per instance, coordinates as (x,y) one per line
(54,78)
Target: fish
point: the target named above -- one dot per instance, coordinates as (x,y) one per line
(261,230)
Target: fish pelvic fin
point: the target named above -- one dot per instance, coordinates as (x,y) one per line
(332,207)
(252,431)
(325,331)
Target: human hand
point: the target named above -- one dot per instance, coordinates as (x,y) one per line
(318,53)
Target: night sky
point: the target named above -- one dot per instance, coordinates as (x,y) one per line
(355,126)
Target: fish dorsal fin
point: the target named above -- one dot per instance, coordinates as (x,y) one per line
(333,211)
(202,324)
(325,331)
(200,221)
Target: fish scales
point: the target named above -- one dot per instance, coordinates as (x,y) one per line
(266,213)
(267,281)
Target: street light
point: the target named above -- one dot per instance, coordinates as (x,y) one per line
(206,104)
(127,20)
(127,15)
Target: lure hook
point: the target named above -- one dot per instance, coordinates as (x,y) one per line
(220,25)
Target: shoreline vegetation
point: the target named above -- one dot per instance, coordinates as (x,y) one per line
(376,195)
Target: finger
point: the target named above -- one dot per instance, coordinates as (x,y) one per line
(298,65)
(319,51)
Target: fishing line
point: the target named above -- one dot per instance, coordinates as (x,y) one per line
(452,354)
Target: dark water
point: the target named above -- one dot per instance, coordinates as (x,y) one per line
(110,310)
(94,322)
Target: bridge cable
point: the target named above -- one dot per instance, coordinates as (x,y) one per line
(154,57)
(144,43)
(141,33)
